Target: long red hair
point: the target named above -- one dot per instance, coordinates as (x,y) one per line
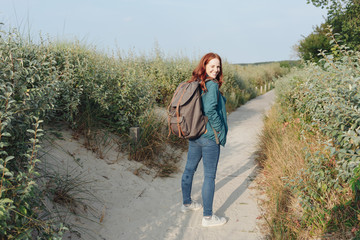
(199,73)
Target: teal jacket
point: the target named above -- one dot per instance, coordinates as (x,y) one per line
(213,103)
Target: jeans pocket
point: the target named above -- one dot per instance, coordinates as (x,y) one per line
(207,142)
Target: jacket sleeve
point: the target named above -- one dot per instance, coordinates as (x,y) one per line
(210,102)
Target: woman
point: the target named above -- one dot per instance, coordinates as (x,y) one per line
(207,146)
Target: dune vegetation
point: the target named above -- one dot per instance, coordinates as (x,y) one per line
(97,95)
(310,150)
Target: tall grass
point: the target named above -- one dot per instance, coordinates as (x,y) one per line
(284,155)
(311,152)
(263,73)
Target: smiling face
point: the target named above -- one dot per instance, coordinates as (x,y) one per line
(213,68)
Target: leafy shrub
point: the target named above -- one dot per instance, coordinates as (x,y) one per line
(27,92)
(343,16)
(346,23)
(326,100)
(96,87)
(310,46)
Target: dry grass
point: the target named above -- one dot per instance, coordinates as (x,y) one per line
(261,74)
(282,157)
(155,149)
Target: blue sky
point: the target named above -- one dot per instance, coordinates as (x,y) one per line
(239,31)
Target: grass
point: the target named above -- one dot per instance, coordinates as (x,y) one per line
(154,148)
(283,155)
(262,73)
(67,192)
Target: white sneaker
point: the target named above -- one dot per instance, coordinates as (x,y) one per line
(192,207)
(213,221)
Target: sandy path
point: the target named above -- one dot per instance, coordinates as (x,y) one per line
(146,208)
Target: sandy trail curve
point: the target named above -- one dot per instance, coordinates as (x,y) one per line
(149,209)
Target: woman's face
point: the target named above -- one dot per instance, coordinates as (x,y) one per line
(213,68)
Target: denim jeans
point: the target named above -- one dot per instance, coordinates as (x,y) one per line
(209,151)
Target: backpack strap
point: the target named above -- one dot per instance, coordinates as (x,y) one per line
(178,114)
(177,90)
(215,133)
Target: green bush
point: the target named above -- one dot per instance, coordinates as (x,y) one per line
(27,93)
(310,47)
(343,16)
(326,98)
(346,24)
(97,87)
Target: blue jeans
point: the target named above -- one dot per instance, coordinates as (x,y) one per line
(210,151)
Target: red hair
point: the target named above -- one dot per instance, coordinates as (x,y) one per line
(199,73)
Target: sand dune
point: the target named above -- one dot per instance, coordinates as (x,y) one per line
(126,206)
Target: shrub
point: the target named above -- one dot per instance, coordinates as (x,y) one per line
(27,93)
(310,47)
(324,100)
